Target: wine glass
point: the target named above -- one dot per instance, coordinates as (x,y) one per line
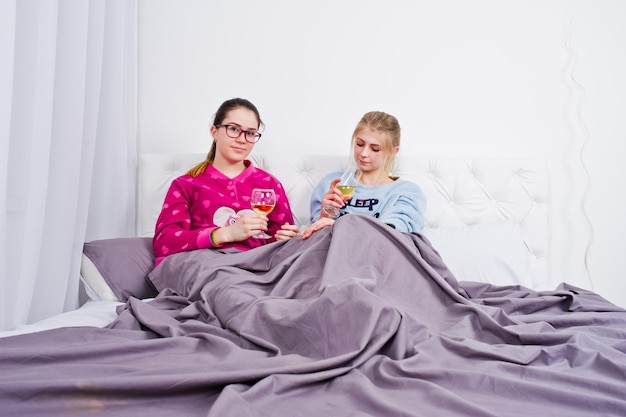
(263,201)
(346,185)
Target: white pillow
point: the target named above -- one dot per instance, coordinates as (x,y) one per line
(494,253)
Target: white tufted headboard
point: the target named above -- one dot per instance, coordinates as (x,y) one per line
(459,191)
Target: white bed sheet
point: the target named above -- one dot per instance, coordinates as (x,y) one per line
(91,314)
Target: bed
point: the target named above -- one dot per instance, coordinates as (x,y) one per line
(360,320)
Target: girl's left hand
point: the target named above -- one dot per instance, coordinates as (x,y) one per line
(287,231)
(319,224)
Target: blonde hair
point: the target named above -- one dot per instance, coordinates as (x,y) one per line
(219,117)
(389,129)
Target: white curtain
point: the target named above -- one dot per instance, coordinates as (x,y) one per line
(67,145)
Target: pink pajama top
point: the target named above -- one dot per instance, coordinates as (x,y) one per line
(195,206)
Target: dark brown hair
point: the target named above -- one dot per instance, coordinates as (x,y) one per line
(219,117)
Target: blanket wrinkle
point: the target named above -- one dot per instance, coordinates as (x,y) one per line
(358,320)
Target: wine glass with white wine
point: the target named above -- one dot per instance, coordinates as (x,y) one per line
(346,185)
(263,201)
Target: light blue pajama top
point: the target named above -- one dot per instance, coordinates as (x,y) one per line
(400,204)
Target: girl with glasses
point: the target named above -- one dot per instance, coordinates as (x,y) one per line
(397,202)
(209,206)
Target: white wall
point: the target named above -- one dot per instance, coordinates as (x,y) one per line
(483,77)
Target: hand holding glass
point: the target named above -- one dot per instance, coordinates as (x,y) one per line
(346,185)
(263,201)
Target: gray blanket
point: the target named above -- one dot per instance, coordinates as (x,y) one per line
(359,320)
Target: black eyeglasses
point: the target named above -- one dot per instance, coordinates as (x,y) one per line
(234,131)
